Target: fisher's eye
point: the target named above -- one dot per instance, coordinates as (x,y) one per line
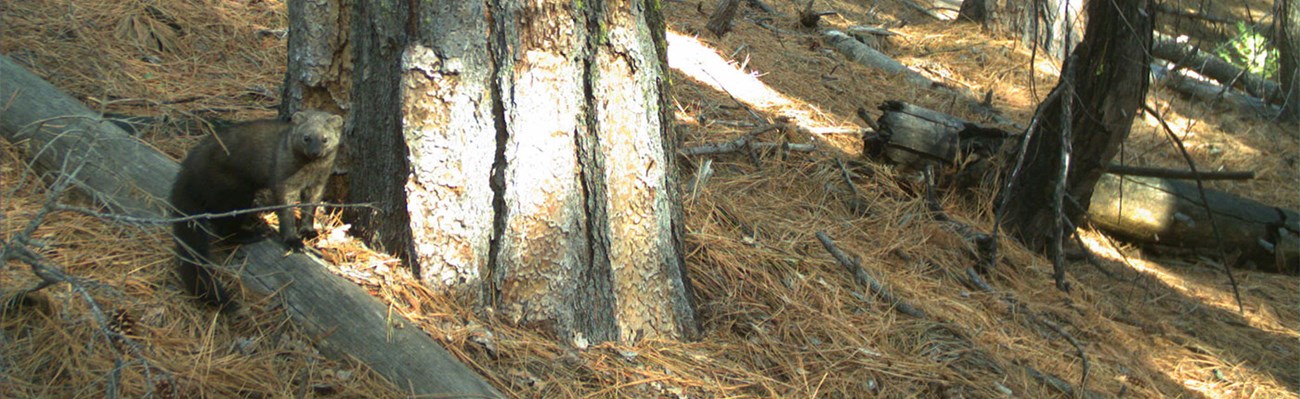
(306,139)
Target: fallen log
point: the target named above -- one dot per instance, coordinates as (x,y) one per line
(865,55)
(861,53)
(1166,48)
(1160,211)
(1205,90)
(1170,212)
(129,177)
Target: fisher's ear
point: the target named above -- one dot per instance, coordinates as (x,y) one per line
(336,120)
(298,117)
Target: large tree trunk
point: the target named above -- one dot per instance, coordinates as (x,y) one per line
(525,165)
(1038,23)
(319,64)
(1103,84)
(319,74)
(1286,31)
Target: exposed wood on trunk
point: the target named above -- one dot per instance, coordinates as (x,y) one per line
(631,119)
(424,138)
(1170,213)
(320,62)
(720,21)
(132,178)
(523,160)
(545,243)
(1166,48)
(319,74)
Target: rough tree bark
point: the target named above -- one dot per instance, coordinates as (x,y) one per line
(1039,22)
(1286,31)
(319,74)
(1105,81)
(320,63)
(523,161)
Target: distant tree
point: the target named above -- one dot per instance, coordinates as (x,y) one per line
(1286,36)
(1081,123)
(518,154)
(1041,24)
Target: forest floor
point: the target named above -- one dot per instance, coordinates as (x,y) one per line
(781,317)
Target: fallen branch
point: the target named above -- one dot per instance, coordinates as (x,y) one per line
(740,144)
(1125,170)
(865,279)
(733,145)
(1059,384)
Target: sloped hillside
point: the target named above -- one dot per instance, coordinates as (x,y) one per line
(782,318)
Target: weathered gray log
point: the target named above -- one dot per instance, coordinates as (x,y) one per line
(861,53)
(1147,209)
(1166,48)
(914,136)
(53,127)
(865,55)
(943,10)
(130,177)
(1170,212)
(1211,92)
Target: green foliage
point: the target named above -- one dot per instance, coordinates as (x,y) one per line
(1251,51)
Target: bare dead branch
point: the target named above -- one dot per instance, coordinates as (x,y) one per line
(1209,213)
(1125,170)
(865,279)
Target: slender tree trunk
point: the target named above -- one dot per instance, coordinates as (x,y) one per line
(1038,23)
(1105,81)
(520,158)
(1286,31)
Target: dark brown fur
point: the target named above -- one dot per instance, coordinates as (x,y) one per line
(221,174)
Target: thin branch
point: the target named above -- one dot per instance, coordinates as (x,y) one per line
(126,219)
(1125,170)
(865,279)
(1205,202)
